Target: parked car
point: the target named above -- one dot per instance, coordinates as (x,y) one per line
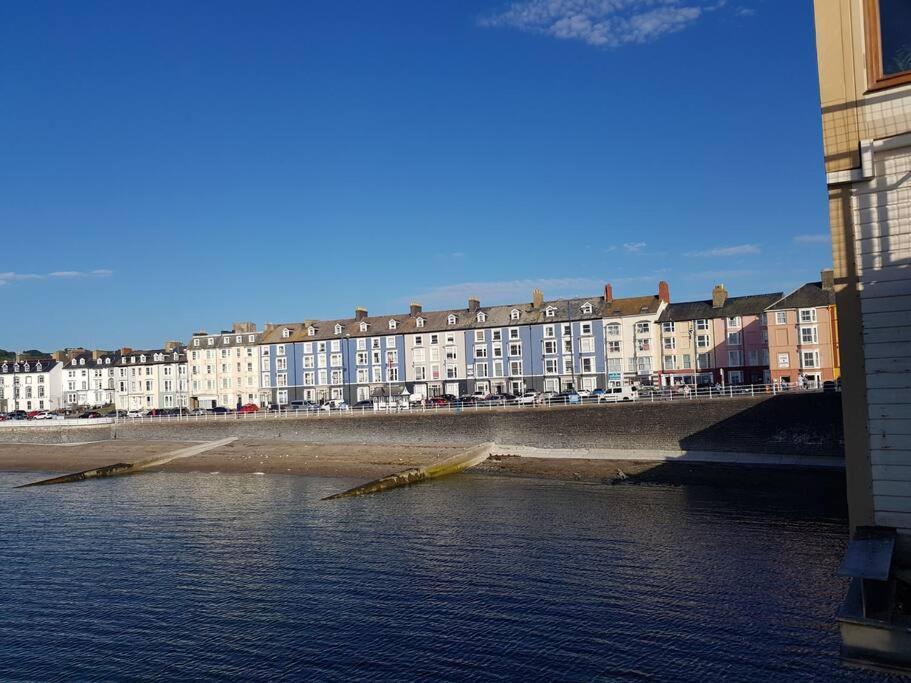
(584,393)
(136,413)
(449,398)
(829,386)
(302,405)
(468,399)
(90,415)
(248,408)
(366,404)
(335,404)
(547,397)
(436,402)
(31,414)
(529,398)
(567,397)
(199,411)
(219,410)
(596,393)
(17,415)
(615,394)
(46,415)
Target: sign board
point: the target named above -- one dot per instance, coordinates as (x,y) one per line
(614,376)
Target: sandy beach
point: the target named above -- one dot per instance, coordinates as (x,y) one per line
(363,461)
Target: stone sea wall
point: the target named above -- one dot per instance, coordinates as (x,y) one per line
(798,424)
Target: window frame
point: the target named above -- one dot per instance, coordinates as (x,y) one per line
(876,79)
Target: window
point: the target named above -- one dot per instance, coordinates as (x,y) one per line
(393,324)
(549,331)
(567,329)
(496,335)
(513,332)
(587,364)
(482,316)
(498,368)
(642,328)
(670,362)
(451,319)
(281,363)
(419,356)
(734,338)
(480,370)
(703,361)
(308,347)
(734,321)
(497,350)
(810,359)
(515,368)
(702,340)
(586,308)
(550,346)
(361,344)
(888,43)
(363,327)
(362,376)
(550,366)
(781,317)
(808,335)
(808,315)
(480,352)
(585,328)
(702,324)
(587,345)
(311,331)
(667,327)
(514,314)
(280,350)
(613,329)
(687,363)
(735,358)
(550,311)
(338,329)
(434,339)
(670,343)
(335,360)
(613,347)
(479,336)
(420,372)
(335,345)
(419,322)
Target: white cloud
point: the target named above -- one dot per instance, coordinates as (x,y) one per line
(635,247)
(822,238)
(745,12)
(512,291)
(736,250)
(6,278)
(602,23)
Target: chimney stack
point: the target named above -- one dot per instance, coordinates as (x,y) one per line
(473,304)
(58,356)
(243,327)
(828,279)
(664,292)
(608,293)
(415,309)
(719,296)
(537,299)
(268,327)
(360,313)
(125,351)
(170,346)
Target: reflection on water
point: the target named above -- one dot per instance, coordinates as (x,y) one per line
(170,576)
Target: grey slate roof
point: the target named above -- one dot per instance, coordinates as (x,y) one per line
(809,295)
(40,365)
(753,304)
(438,321)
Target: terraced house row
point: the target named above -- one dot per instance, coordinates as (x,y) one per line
(582,343)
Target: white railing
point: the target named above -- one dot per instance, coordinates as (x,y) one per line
(63,422)
(652,395)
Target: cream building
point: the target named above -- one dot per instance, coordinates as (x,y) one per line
(632,338)
(224,368)
(151,380)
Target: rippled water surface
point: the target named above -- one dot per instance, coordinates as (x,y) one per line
(177,577)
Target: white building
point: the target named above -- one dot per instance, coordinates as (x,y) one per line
(88,379)
(30,385)
(632,337)
(151,380)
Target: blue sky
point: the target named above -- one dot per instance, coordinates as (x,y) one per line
(173,166)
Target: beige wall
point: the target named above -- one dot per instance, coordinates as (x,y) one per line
(785,339)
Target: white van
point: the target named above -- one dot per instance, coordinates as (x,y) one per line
(616,394)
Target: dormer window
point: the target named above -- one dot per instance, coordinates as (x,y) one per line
(107,361)
(26,368)
(5,368)
(482,316)
(74,361)
(393,324)
(16,367)
(587,308)
(419,322)
(38,366)
(142,358)
(251,338)
(311,331)
(195,342)
(239,338)
(176,356)
(451,319)
(226,340)
(287,333)
(338,329)
(363,327)
(514,314)
(550,311)
(211,341)
(82,361)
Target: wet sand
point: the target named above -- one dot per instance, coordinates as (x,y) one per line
(371,461)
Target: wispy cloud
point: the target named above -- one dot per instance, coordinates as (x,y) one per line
(511,291)
(635,247)
(736,250)
(8,277)
(822,238)
(745,12)
(602,23)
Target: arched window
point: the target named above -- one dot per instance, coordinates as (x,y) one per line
(514,314)
(451,319)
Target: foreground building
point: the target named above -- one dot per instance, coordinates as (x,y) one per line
(803,334)
(722,340)
(865,90)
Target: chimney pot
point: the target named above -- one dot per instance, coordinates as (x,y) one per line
(473,304)
(828,279)
(719,296)
(360,313)
(608,293)
(537,299)
(415,309)
(664,292)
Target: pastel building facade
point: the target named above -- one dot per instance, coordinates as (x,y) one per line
(803,334)
(30,384)
(224,368)
(722,340)
(632,337)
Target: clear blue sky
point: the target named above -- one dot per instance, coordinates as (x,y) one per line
(171,166)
